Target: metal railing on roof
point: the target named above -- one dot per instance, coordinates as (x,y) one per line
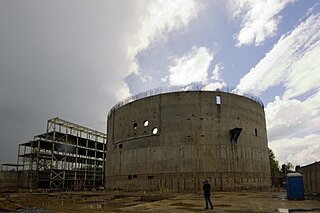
(189,87)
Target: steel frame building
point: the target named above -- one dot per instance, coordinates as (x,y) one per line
(66,156)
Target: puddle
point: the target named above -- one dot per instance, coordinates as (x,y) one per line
(154,198)
(243,211)
(183,204)
(316,210)
(222,205)
(32,210)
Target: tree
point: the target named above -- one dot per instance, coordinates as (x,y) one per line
(287,167)
(274,164)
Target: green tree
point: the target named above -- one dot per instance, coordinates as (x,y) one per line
(287,167)
(274,164)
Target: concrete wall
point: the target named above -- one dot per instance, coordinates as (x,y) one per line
(13,180)
(311,177)
(9,180)
(192,143)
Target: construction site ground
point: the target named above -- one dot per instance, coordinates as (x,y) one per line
(119,201)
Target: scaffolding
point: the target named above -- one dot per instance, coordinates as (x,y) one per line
(67,156)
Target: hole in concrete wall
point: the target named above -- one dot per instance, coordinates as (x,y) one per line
(218,99)
(150,177)
(146,123)
(201,118)
(192,115)
(155,130)
(135,125)
(120,146)
(129,177)
(256,132)
(134,176)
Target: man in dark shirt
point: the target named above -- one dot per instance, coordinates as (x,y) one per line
(207,192)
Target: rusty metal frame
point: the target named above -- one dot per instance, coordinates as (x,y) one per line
(67,156)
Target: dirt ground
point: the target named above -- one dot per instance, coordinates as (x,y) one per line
(118,201)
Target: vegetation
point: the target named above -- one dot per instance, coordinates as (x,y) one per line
(287,167)
(274,164)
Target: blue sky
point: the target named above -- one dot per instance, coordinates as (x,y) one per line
(76,59)
(265,48)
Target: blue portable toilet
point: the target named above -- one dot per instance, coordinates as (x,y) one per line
(295,188)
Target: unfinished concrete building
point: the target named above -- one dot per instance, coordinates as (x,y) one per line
(311,177)
(66,156)
(171,139)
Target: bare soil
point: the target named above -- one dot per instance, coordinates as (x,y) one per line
(118,201)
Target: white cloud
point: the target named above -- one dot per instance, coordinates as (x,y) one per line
(124,92)
(218,83)
(294,63)
(260,19)
(214,86)
(299,151)
(288,118)
(160,18)
(216,73)
(192,67)
(305,74)
(293,58)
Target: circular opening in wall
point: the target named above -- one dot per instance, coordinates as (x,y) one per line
(146,123)
(155,130)
(135,125)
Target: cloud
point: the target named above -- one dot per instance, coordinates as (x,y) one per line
(212,86)
(158,19)
(260,19)
(218,83)
(293,58)
(292,118)
(192,67)
(287,118)
(305,76)
(123,92)
(71,59)
(299,151)
(216,73)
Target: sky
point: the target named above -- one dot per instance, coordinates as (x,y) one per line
(76,59)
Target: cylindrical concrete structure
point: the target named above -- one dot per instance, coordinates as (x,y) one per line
(175,140)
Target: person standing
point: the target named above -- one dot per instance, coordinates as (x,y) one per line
(207,193)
